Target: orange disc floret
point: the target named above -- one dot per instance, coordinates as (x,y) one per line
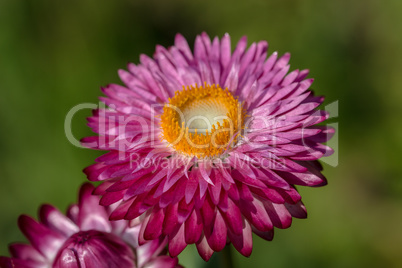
(202,121)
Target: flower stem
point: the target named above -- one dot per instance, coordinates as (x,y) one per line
(226,257)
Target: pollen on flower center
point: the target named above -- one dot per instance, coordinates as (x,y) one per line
(202,121)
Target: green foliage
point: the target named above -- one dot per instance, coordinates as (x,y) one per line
(56,54)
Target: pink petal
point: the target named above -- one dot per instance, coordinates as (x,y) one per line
(177,242)
(217,239)
(153,229)
(204,249)
(91,215)
(55,220)
(193,227)
(170,223)
(279,215)
(297,210)
(162,262)
(41,237)
(26,252)
(244,242)
(225,50)
(182,45)
(233,218)
(256,215)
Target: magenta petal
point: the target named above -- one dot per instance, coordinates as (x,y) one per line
(182,45)
(244,242)
(111,198)
(203,187)
(56,221)
(177,242)
(162,262)
(306,178)
(303,74)
(233,218)
(225,50)
(223,203)
(153,229)
(245,179)
(95,170)
(270,178)
(205,172)
(120,212)
(248,57)
(144,222)
(204,249)
(191,188)
(215,190)
(232,78)
(199,200)
(72,212)
(41,237)
(291,196)
(269,235)
(101,188)
(208,213)
(193,227)
(151,250)
(14,263)
(234,192)
(256,215)
(26,252)
(269,63)
(217,239)
(297,210)
(270,194)
(282,61)
(170,222)
(184,210)
(137,207)
(279,215)
(91,215)
(290,78)
(278,78)
(245,193)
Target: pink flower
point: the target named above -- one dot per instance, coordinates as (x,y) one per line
(83,238)
(207,147)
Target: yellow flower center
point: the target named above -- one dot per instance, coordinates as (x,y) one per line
(202,121)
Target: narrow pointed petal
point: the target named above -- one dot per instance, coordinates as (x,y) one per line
(41,237)
(244,242)
(217,239)
(177,242)
(204,249)
(193,227)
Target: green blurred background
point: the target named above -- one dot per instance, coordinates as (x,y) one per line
(56,54)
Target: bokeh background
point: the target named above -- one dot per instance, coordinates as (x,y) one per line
(56,54)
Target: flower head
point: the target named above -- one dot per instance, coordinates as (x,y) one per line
(83,238)
(207,147)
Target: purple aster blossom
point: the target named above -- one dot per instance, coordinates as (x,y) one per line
(220,178)
(83,238)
